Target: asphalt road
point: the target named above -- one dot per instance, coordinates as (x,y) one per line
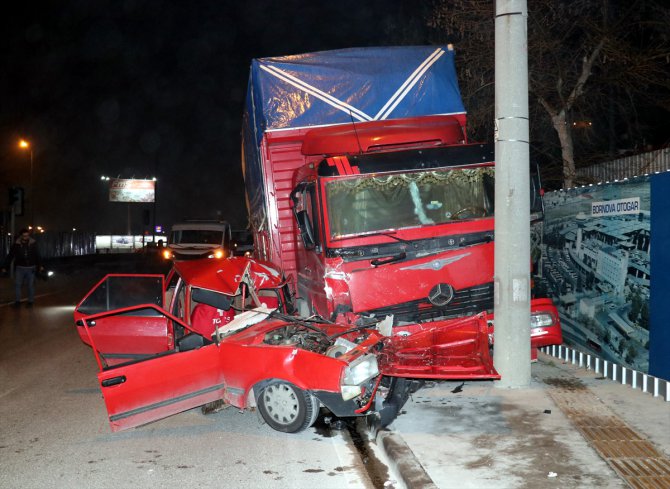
(54,430)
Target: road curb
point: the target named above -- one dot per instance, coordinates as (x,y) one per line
(408,467)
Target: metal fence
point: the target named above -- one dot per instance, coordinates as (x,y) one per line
(627,167)
(55,245)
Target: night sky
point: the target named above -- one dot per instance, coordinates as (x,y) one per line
(134,88)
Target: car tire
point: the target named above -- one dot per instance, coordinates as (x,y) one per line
(398,394)
(287,408)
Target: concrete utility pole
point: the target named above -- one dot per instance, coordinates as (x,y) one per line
(512,187)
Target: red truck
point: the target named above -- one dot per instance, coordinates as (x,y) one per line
(363,188)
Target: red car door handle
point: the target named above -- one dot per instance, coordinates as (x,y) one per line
(113,381)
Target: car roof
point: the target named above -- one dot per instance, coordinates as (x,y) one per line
(225,275)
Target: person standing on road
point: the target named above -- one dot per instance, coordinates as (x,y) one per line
(26,258)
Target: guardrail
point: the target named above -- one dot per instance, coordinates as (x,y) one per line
(618,373)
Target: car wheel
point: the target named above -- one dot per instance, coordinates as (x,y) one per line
(287,408)
(398,393)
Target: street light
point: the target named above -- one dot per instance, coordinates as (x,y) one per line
(25,145)
(153,231)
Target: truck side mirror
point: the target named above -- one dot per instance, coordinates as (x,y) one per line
(306,231)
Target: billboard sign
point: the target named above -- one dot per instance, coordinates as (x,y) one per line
(597,266)
(131,190)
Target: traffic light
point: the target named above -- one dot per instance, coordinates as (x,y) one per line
(16,200)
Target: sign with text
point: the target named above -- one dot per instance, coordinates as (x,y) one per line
(619,207)
(131,190)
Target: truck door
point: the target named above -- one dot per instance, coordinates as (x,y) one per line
(310,260)
(130,335)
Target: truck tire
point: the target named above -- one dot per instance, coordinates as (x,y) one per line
(287,408)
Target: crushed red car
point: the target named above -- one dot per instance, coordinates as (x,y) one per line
(158,355)
(155,362)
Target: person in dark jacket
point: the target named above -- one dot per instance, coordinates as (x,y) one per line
(26,259)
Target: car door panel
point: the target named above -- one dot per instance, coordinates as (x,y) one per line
(133,334)
(125,338)
(144,391)
(450,349)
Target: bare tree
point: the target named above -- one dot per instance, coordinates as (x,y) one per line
(589,61)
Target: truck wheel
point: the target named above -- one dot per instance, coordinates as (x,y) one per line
(287,408)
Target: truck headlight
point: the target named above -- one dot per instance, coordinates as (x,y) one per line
(218,254)
(357,373)
(541,320)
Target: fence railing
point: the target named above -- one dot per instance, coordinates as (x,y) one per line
(618,373)
(626,167)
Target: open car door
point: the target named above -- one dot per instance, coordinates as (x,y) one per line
(131,335)
(167,383)
(454,349)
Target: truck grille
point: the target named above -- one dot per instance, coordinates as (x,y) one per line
(466,302)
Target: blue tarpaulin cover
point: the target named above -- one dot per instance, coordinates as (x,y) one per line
(338,87)
(332,87)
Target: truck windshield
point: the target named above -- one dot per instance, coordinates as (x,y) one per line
(370,203)
(196,236)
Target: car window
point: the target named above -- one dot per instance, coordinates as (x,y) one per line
(211,298)
(268,297)
(117,292)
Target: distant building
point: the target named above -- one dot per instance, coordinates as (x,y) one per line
(612,267)
(589,306)
(614,249)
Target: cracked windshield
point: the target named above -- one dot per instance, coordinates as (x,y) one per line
(370,203)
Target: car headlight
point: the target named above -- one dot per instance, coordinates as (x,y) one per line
(167,254)
(541,320)
(357,373)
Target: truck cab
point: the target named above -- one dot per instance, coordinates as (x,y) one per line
(402,228)
(415,216)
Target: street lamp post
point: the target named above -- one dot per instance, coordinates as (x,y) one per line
(23,144)
(153,231)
